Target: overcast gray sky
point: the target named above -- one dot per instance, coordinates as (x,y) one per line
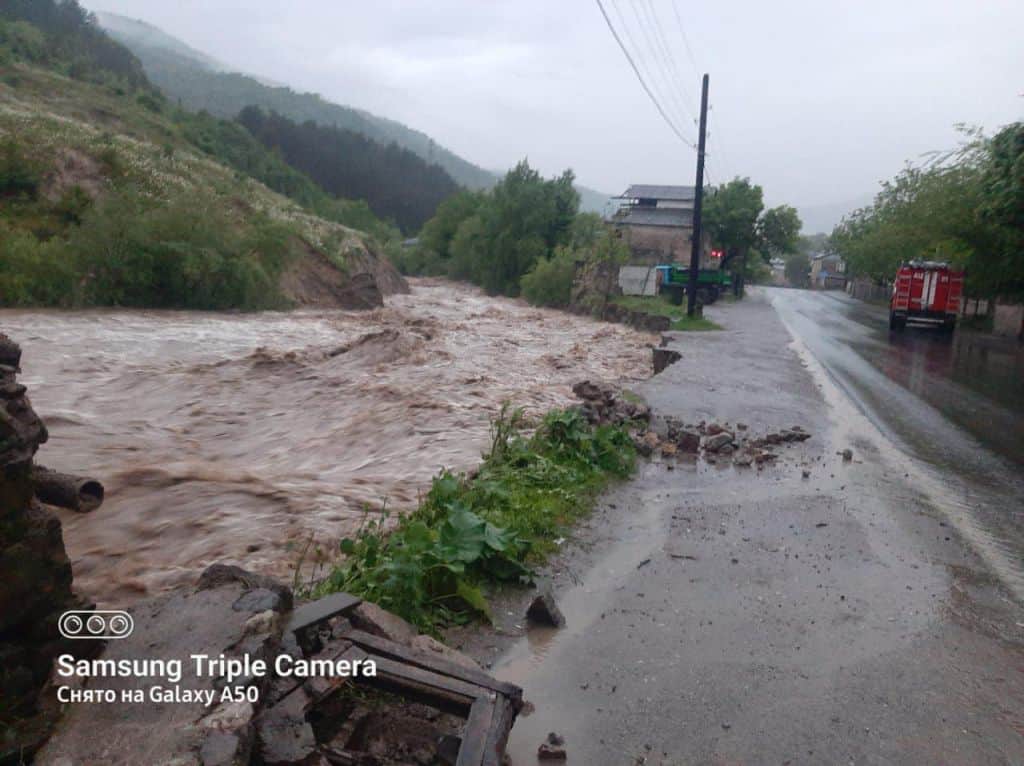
(815,100)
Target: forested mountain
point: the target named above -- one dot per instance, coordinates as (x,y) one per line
(111,196)
(199,83)
(66,34)
(394,182)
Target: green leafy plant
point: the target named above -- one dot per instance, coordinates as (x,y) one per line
(431,566)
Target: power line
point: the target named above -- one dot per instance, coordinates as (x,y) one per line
(660,53)
(640,77)
(686,43)
(667,52)
(649,65)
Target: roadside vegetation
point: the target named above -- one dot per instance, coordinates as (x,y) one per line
(749,235)
(661,306)
(474,531)
(964,206)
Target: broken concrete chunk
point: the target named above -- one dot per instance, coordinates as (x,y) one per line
(716,442)
(544,610)
(259,600)
(743,459)
(370,618)
(434,648)
(225,748)
(284,739)
(688,442)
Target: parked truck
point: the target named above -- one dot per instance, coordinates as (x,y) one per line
(928,293)
(711,283)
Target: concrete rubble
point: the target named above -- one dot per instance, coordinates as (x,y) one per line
(320,720)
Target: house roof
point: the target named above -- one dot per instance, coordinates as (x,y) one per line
(655,191)
(654,216)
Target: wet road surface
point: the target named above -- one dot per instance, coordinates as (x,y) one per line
(868,613)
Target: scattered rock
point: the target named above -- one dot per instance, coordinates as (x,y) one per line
(847,455)
(552,748)
(726,449)
(603,404)
(688,442)
(764,457)
(713,428)
(807,474)
(743,459)
(544,611)
(716,442)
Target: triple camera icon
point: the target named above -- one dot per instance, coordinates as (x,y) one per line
(99,624)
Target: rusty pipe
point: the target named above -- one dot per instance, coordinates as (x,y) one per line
(76,493)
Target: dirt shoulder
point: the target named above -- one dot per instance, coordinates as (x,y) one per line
(726,614)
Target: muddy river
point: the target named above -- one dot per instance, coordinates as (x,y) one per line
(244,437)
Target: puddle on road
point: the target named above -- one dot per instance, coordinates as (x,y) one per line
(583,603)
(974,505)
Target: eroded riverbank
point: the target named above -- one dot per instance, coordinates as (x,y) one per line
(242,437)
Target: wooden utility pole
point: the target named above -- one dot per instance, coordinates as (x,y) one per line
(698,204)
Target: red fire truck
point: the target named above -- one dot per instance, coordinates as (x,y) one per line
(928,293)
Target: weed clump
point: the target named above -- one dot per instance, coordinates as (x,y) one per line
(488,528)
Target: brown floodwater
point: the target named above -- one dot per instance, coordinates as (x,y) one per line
(243,437)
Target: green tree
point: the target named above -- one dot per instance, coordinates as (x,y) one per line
(549,282)
(731,212)
(957,207)
(778,231)
(523,219)
(437,233)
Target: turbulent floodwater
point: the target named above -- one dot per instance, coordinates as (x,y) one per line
(242,437)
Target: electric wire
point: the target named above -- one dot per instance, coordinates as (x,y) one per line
(640,77)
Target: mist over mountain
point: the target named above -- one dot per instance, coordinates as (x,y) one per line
(823,218)
(200,82)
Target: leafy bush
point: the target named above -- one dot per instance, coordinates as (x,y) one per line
(18,174)
(549,282)
(494,238)
(34,273)
(471,531)
(183,253)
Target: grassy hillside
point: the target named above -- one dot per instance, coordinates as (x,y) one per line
(105,198)
(202,84)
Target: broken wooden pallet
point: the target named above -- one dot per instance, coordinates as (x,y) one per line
(489,706)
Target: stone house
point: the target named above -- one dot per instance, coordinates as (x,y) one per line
(828,272)
(657,224)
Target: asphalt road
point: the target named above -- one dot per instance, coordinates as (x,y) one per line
(869,613)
